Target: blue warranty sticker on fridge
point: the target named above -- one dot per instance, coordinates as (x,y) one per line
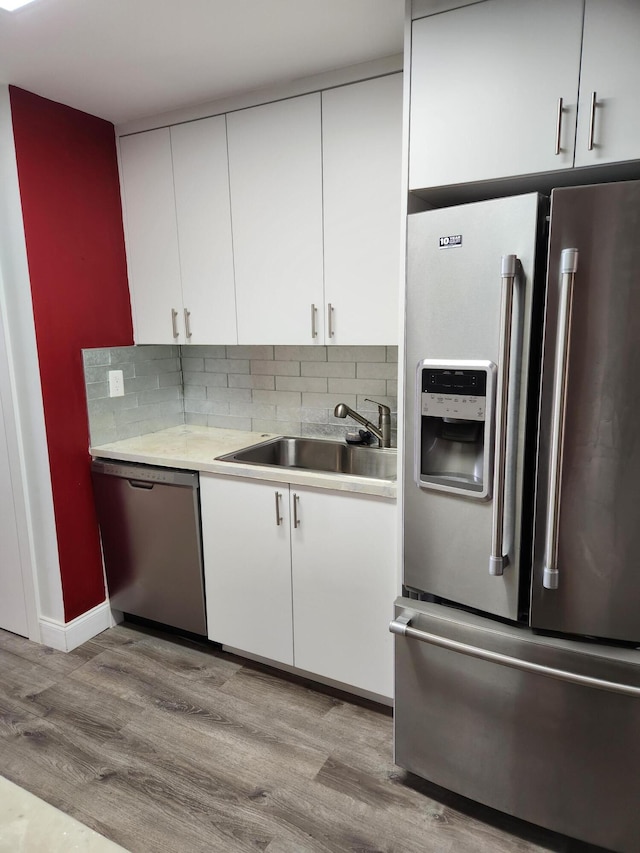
(451,242)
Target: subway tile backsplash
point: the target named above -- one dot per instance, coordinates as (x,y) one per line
(152,400)
(279,389)
(287,389)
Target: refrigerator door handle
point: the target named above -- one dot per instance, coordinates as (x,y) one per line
(497,560)
(402,626)
(568,267)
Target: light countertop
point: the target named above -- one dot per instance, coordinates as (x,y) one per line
(195,448)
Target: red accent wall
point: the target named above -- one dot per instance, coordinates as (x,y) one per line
(70,193)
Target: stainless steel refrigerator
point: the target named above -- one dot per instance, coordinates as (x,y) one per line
(517,672)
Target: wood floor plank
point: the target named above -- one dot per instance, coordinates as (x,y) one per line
(133,674)
(21,680)
(203,784)
(97,716)
(267,689)
(47,762)
(139,813)
(59,662)
(246,734)
(188,659)
(247,730)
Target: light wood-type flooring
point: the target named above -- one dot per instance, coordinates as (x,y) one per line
(164,744)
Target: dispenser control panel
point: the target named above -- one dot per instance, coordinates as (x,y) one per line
(450,393)
(454,427)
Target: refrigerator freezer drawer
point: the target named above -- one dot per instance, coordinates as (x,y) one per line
(544,729)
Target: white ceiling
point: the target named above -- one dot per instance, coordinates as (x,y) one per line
(126,59)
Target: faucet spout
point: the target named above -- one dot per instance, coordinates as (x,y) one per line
(382,432)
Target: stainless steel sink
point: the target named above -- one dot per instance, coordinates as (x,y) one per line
(315,454)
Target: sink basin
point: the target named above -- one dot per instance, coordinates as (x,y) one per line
(315,454)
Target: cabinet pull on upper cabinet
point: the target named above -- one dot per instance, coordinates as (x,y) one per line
(330,310)
(187,324)
(592,121)
(314,316)
(174,323)
(559,126)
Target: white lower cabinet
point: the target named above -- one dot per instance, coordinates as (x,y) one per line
(302,576)
(247,565)
(343,554)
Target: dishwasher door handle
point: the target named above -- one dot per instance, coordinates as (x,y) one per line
(140,484)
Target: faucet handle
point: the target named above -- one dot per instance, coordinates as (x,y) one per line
(382,409)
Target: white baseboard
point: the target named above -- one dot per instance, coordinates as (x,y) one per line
(68,636)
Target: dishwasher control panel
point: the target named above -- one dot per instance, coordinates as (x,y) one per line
(145,473)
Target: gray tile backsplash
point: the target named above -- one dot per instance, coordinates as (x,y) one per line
(287,389)
(281,389)
(152,391)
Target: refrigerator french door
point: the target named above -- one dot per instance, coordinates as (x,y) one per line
(517,676)
(586,577)
(470,295)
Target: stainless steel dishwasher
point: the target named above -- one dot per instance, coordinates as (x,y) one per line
(150,528)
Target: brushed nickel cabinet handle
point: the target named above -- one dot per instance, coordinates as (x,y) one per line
(278,516)
(174,322)
(314,319)
(330,310)
(296,517)
(568,267)
(559,126)
(497,560)
(592,121)
(187,324)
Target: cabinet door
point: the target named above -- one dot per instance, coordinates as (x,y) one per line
(247,565)
(275,168)
(151,236)
(485,84)
(344,584)
(610,72)
(361,150)
(201,180)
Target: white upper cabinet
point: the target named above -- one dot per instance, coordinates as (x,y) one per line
(275,167)
(362,149)
(486,84)
(178,231)
(609,108)
(510,87)
(276,224)
(152,237)
(201,181)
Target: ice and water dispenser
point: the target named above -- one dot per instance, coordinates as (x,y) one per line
(454,427)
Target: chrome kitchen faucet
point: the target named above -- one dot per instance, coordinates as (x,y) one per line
(382,432)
